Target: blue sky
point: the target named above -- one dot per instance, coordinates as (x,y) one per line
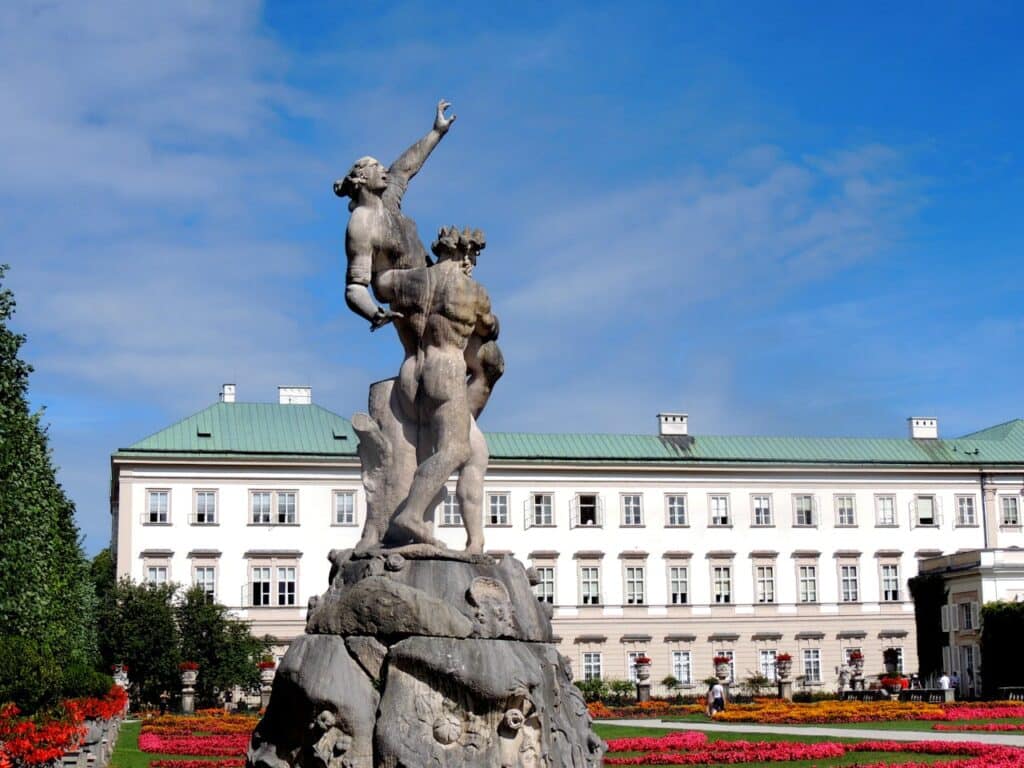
(783,218)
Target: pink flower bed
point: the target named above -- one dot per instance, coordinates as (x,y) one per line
(693,748)
(969,712)
(979,727)
(229,744)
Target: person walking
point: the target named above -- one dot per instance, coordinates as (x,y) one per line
(716,699)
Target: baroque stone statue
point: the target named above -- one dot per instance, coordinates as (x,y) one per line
(416,654)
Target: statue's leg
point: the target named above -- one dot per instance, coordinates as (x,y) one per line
(470,490)
(449,418)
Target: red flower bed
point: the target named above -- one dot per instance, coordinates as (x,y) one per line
(220,744)
(206,721)
(981,712)
(693,748)
(979,727)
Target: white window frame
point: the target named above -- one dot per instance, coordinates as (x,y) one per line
(890,580)
(265,574)
(841,509)
(761,513)
(268,513)
(291,517)
(880,510)
(1009,511)
(812,665)
(716,503)
(682,667)
(807,583)
(966,511)
(635,581)
(209,516)
(590,583)
(849,582)
(450,511)
(286,597)
(721,584)
(766,662)
(498,509)
(632,506)
(149,515)
(591,663)
(677,512)
(812,518)
(211,588)
(678,584)
(345,516)
(918,498)
(544,589)
(631,657)
(541,514)
(158,574)
(764,583)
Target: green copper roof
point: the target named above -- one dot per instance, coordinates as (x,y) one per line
(260,428)
(309,430)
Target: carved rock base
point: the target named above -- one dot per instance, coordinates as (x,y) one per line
(474,685)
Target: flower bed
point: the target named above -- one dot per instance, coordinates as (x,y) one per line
(218,745)
(206,721)
(26,742)
(235,762)
(693,748)
(645,709)
(979,727)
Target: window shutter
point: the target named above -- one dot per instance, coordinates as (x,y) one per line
(937,510)
(814,509)
(944,614)
(954,617)
(913,513)
(975,615)
(574,508)
(946,655)
(527,517)
(600,509)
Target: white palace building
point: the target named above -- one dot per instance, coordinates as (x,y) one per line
(673,545)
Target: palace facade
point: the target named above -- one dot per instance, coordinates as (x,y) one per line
(676,546)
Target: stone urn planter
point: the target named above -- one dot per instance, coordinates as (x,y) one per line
(267,674)
(721,667)
(189,677)
(189,674)
(783,666)
(643,669)
(856,663)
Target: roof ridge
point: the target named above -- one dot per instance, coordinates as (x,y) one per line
(172,425)
(978,434)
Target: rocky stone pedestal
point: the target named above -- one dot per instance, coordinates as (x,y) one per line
(425,658)
(785,689)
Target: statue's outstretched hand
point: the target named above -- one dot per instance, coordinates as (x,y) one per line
(442,123)
(382,318)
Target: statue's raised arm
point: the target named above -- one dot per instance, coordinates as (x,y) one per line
(409,162)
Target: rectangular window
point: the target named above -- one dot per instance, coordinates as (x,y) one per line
(591,666)
(632,511)
(719,510)
(886,507)
(286,586)
(891,583)
(678,585)
(261,507)
(344,508)
(1010,510)
(587,509)
(631,657)
(206,579)
(845,514)
(803,510)
(966,611)
(812,665)
(808,576)
(156,574)
(543,509)
(924,507)
(676,504)
(635,593)
(497,509)
(590,585)
(762,510)
(965,511)
(849,584)
(765,583)
(545,589)
(451,513)
(721,579)
(206,508)
(766,662)
(286,508)
(898,652)
(158,507)
(260,586)
(682,667)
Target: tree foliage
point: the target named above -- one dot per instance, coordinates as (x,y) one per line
(46,597)
(1002,626)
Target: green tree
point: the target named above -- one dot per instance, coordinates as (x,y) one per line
(1002,626)
(46,597)
(929,593)
(138,627)
(223,646)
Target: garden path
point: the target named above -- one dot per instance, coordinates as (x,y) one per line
(1006,739)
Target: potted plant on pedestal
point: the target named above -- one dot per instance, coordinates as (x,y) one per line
(721,667)
(783,666)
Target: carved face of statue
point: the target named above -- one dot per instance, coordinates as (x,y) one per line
(367,172)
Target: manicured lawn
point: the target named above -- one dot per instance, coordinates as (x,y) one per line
(128,755)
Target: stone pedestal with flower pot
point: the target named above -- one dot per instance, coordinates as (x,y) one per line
(783,668)
(643,678)
(856,664)
(120,673)
(189,674)
(267,671)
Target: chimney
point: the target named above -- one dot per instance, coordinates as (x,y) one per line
(295,395)
(923,427)
(227,393)
(672,424)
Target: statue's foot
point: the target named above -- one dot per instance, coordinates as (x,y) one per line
(416,529)
(368,543)
(474,547)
